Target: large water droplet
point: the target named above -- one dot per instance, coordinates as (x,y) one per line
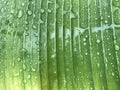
(20,13)
(117,47)
(24,66)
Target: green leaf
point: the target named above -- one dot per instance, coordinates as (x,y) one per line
(59,45)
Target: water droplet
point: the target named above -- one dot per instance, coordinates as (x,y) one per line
(117,47)
(42,10)
(23,4)
(24,50)
(41,21)
(113,74)
(33,15)
(25,81)
(84,43)
(20,13)
(86,53)
(72,15)
(20,70)
(109,54)
(27,34)
(98,53)
(18,59)
(29,76)
(1,71)
(49,11)
(84,39)
(108,16)
(12,11)
(96,18)
(98,64)
(101,17)
(98,41)
(34,27)
(33,69)
(24,66)
(26,22)
(26,28)
(29,12)
(106,21)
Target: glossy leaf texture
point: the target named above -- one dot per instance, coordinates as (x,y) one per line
(59,44)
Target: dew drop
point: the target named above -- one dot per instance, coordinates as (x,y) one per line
(29,76)
(18,59)
(40,21)
(98,53)
(84,43)
(12,11)
(98,41)
(42,11)
(86,53)
(106,21)
(20,70)
(72,15)
(113,74)
(98,64)
(108,16)
(49,11)
(34,27)
(23,4)
(109,54)
(1,71)
(20,13)
(26,22)
(25,81)
(24,50)
(101,17)
(84,39)
(33,69)
(24,66)
(117,47)
(29,12)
